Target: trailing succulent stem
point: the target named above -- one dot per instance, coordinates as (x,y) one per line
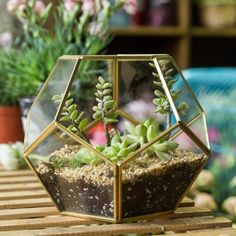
(161,101)
(105,105)
(72,116)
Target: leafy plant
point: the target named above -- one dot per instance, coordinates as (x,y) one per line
(73,116)
(30,61)
(161,100)
(105,106)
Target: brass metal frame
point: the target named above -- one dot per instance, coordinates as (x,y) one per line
(118,167)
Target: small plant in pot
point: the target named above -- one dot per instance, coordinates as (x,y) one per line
(10,114)
(141,170)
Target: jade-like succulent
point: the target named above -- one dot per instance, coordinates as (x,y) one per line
(146,132)
(105,105)
(72,116)
(118,147)
(161,101)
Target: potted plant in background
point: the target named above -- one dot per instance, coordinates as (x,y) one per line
(217,13)
(78,27)
(10,114)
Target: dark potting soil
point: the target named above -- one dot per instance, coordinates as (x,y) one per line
(148,186)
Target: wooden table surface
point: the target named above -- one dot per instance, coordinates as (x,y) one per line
(26,210)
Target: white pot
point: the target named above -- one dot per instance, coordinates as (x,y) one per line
(7,158)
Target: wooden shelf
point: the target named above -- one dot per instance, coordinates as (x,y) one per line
(148,31)
(188,43)
(209,32)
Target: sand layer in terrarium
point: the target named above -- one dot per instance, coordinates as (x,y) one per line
(149,185)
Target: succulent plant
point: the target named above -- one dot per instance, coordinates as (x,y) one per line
(72,116)
(161,101)
(105,105)
(146,132)
(118,146)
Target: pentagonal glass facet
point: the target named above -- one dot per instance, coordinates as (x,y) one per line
(43,110)
(157,179)
(73,187)
(183,99)
(116,137)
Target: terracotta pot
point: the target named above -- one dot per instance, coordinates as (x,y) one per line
(11,129)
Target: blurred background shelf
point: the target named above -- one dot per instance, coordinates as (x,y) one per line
(148,31)
(209,32)
(190,43)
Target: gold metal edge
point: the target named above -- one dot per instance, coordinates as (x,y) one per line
(194,138)
(91,217)
(146,145)
(69,83)
(116,193)
(120,197)
(116,82)
(206,129)
(190,185)
(126,57)
(195,118)
(127,116)
(38,95)
(40,138)
(167,91)
(84,143)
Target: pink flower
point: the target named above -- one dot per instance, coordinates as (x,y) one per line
(89,6)
(39,7)
(130,6)
(13,5)
(70,4)
(5,39)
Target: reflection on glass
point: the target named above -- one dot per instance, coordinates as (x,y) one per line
(43,110)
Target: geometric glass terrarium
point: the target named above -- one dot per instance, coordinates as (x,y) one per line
(113,138)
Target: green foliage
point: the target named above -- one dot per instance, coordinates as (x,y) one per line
(72,116)
(105,105)
(161,101)
(146,132)
(26,66)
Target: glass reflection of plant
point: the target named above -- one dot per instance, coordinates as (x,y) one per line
(161,101)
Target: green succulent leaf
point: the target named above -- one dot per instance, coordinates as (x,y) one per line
(97,115)
(159,93)
(141,130)
(109,104)
(131,148)
(83,123)
(130,127)
(65,119)
(101,80)
(110,121)
(69,102)
(151,133)
(74,115)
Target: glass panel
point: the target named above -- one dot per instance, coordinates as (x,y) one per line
(159,176)
(184,102)
(76,179)
(83,95)
(136,91)
(199,128)
(43,110)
